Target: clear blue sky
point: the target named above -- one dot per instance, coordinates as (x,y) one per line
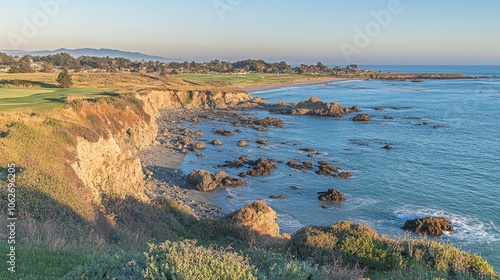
(423,32)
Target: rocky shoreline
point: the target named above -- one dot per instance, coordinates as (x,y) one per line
(177,137)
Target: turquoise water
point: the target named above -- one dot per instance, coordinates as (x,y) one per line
(452,171)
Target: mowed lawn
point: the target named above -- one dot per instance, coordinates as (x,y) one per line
(252,79)
(43,98)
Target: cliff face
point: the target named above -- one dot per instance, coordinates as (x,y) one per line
(154,100)
(109,164)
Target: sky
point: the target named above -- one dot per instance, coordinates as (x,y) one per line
(297,31)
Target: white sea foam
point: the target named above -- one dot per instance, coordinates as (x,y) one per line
(289,224)
(357,202)
(467,228)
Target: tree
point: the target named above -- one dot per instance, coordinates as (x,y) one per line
(64,79)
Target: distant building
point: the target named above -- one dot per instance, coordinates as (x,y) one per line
(4,68)
(37,66)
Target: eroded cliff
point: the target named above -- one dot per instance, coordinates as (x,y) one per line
(108,165)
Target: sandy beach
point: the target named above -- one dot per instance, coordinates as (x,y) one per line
(292,84)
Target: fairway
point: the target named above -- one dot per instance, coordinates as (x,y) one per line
(43,99)
(252,79)
(18,93)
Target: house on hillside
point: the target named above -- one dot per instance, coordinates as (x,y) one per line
(4,68)
(37,66)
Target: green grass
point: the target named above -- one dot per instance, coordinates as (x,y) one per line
(251,79)
(39,262)
(41,99)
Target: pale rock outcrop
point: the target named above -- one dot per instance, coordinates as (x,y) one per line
(258,217)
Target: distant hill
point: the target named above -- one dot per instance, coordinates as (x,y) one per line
(93,52)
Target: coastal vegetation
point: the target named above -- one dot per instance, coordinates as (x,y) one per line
(72,228)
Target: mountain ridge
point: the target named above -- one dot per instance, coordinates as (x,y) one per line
(101,52)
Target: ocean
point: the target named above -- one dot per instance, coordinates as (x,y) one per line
(451,171)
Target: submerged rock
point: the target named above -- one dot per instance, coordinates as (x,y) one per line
(434,226)
(224,132)
(325,168)
(343,175)
(262,142)
(362,118)
(302,166)
(240,162)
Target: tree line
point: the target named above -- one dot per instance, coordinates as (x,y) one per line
(57,62)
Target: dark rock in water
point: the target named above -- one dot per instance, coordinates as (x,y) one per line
(216,143)
(224,132)
(242,143)
(313,106)
(310,155)
(396,108)
(388,147)
(379,109)
(238,131)
(303,166)
(425,123)
(282,196)
(240,162)
(231,196)
(281,161)
(324,206)
(436,126)
(331,195)
(362,118)
(325,168)
(388,118)
(200,155)
(294,188)
(434,226)
(307,150)
(205,181)
(343,175)
(262,142)
(261,124)
(416,81)
(261,167)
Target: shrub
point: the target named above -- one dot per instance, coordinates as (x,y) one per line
(117,266)
(359,244)
(445,258)
(355,244)
(185,260)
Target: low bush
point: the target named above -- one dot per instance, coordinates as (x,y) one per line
(117,266)
(355,244)
(359,244)
(185,260)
